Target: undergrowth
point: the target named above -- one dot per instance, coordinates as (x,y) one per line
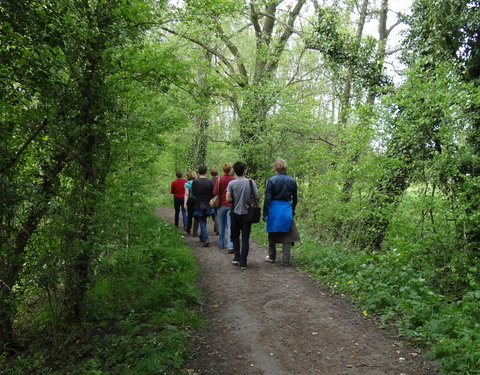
(398,288)
(140,313)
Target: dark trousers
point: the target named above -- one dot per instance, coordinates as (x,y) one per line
(191,219)
(240,225)
(178,204)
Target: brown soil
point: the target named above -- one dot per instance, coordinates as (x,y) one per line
(273,320)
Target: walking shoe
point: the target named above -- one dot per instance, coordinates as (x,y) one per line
(206,244)
(235,262)
(243,268)
(231,251)
(268,259)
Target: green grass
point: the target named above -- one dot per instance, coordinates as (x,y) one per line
(141,312)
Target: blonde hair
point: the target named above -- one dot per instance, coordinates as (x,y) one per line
(280,165)
(191,175)
(227,168)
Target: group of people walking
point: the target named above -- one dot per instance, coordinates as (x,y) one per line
(232,218)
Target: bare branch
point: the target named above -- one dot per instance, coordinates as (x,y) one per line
(235,52)
(269,23)
(255,22)
(389,30)
(286,35)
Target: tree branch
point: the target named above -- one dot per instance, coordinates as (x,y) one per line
(255,23)
(210,50)
(235,52)
(27,143)
(286,35)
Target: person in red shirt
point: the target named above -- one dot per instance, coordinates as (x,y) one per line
(177,188)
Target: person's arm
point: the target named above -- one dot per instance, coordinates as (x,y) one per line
(185,200)
(255,190)
(294,198)
(216,188)
(268,198)
(171,187)
(229,195)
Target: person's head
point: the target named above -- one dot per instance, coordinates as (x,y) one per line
(178,174)
(227,169)
(191,175)
(213,172)
(202,170)
(239,168)
(280,166)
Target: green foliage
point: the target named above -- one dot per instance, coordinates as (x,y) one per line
(336,39)
(132,328)
(398,286)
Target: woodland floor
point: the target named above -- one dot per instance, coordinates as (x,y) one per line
(273,320)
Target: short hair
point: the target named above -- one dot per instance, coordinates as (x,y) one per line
(178,173)
(213,172)
(191,175)
(239,168)
(280,165)
(202,169)
(227,168)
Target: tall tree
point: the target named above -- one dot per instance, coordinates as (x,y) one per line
(442,47)
(248,71)
(55,142)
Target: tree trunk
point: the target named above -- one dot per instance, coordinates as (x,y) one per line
(14,242)
(92,157)
(382,48)
(198,153)
(347,88)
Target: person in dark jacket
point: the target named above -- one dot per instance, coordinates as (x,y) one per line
(214,174)
(202,190)
(278,211)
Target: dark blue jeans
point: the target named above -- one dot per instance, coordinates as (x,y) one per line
(240,225)
(178,204)
(202,221)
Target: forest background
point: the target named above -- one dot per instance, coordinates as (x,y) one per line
(101,100)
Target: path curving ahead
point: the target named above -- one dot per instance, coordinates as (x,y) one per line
(273,320)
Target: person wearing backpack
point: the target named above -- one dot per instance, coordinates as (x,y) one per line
(239,193)
(202,190)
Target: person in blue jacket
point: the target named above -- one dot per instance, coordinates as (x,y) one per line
(278,211)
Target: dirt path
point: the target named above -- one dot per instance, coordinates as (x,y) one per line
(273,320)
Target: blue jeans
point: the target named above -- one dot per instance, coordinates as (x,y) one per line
(202,220)
(240,224)
(178,203)
(223,215)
